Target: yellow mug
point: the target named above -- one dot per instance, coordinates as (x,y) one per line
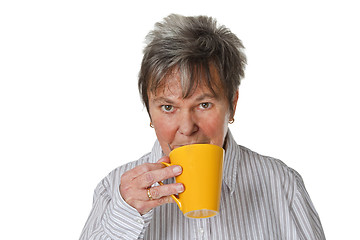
(202,177)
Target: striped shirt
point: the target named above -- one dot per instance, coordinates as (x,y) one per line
(261,198)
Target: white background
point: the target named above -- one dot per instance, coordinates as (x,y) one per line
(70,111)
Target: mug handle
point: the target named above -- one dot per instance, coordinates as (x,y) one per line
(173,196)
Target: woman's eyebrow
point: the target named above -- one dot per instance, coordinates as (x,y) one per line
(199,98)
(206,96)
(163,100)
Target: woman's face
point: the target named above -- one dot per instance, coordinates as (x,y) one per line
(200,118)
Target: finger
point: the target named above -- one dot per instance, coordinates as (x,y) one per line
(140,170)
(135,194)
(149,178)
(163,191)
(145,206)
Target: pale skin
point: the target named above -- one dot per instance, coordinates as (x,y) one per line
(201,118)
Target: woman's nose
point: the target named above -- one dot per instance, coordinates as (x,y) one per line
(187,124)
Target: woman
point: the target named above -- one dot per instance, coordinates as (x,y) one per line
(189,81)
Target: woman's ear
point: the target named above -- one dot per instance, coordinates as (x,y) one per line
(235,100)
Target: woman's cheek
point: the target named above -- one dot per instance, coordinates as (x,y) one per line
(214,128)
(165,129)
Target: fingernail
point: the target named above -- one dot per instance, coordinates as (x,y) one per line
(177,170)
(180,188)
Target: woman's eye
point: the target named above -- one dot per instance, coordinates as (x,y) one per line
(167,108)
(205,105)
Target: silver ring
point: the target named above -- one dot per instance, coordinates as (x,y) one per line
(149,194)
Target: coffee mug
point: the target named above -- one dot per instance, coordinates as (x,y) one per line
(202,177)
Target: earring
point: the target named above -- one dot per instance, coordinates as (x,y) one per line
(232,120)
(151,125)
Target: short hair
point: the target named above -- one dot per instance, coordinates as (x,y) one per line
(191,45)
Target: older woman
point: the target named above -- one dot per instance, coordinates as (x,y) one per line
(189,81)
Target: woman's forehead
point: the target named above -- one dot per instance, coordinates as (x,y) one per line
(174,84)
(173,88)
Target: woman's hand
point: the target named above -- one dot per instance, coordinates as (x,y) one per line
(135,183)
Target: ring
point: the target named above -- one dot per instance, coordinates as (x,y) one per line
(149,194)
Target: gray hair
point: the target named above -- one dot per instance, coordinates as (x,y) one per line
(191,45)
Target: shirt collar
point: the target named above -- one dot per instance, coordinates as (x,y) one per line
(230,165)
(231,162)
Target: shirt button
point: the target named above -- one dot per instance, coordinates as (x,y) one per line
(139,220)
(201,230)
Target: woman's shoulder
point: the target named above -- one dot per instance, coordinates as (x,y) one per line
(267,166)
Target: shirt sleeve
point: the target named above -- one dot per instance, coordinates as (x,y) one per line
(111,217)
(306,219)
